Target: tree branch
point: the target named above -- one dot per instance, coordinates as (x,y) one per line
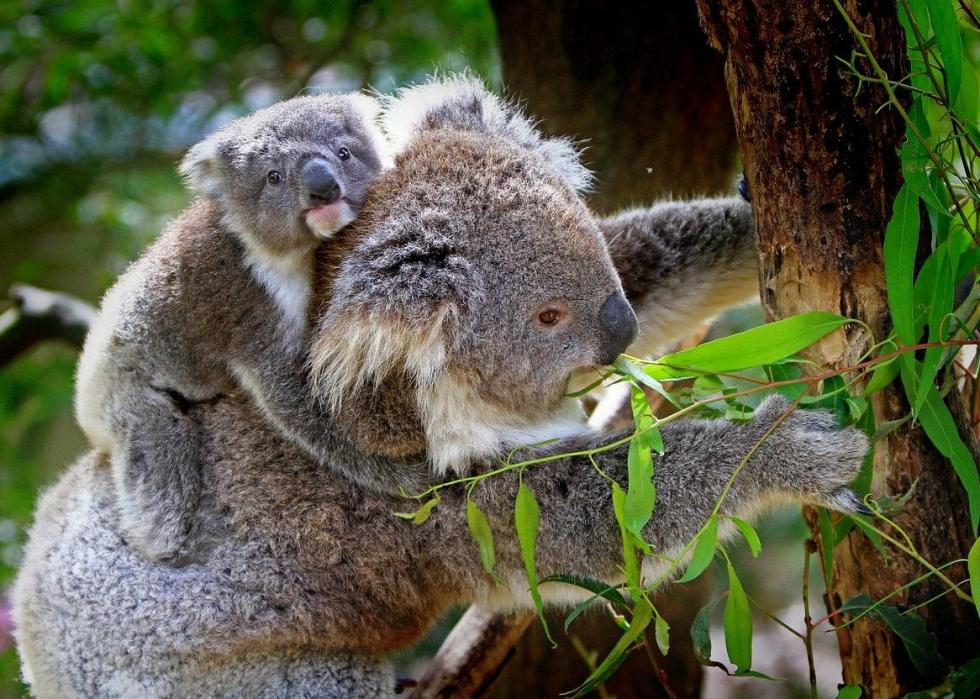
(39,315)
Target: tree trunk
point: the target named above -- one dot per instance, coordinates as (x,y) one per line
(640,84)
(637,81)
(822,165)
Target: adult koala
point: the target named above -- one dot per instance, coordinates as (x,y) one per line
(454,309)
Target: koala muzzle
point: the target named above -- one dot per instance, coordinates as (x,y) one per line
(620,325)
(320,182)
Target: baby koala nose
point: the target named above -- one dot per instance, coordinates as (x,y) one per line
(620,324)
(319,181)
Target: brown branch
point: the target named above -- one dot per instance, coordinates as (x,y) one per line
(473,654)
(39,315)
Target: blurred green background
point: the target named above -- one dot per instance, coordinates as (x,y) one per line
(98,99)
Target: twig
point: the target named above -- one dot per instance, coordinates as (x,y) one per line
(39,315)
(473,654)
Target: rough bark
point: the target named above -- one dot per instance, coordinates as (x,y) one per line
(639,83)
(822,164)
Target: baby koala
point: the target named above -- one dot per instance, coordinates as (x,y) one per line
(220,302)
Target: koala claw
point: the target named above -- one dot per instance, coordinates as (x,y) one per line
(847,501)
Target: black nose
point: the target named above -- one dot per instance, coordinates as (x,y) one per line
(620,326)
(320,183)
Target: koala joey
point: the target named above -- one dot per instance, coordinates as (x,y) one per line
(453,310)
(220,298)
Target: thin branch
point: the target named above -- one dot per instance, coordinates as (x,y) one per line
(39,315)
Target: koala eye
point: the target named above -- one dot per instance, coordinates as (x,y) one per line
(551,315)
(343,154)
(274,177)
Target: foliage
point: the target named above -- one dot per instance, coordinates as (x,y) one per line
(938,101)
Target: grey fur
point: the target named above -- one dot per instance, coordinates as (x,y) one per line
(220,299)
(311,570)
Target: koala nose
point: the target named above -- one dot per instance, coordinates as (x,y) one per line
(620,324)
(321,185)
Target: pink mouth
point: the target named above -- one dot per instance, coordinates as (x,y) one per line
(327,219)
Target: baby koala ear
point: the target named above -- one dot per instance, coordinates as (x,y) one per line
(201,166)
(463,102)
(368,107)
(398,303)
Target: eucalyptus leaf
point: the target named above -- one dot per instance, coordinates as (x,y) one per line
(849,691)
(661,632)
(480,531)
(642,615)
(704,550)
(751,537)
(901,241)
(939,426)
(973,566)
(920,644)
(526,520)
(765,344)
(946,27)
(421,514)
(738,624)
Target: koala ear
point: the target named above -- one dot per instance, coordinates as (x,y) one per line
(201,166)
(397,304)
(368,107)
(464,103)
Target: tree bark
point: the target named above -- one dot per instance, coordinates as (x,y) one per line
(822,165)
(640,84)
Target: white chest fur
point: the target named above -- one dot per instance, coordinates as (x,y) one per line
(288,279)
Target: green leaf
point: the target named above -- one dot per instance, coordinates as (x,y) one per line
(882,376)
(704,550)
(849,691)
(909,627)
(642,615)
(640,492)
(973,565)
(939,426)
(901,240)
(601,590)
(941,304)
(946,27)
(480,531)
(629,550)
(738,623)
(628,368)
(421,514)
(526,520)
(765,344)
(751,537)
(701,635)
(661,632)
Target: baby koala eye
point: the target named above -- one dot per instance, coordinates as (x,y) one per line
(551,315)
(274,177)
(343,154)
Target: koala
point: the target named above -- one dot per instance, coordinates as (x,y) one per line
(451,314)
(221,299)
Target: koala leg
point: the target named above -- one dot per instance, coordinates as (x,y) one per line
(157,474)
(295,673)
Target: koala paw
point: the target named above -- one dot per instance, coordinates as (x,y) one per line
(813,458)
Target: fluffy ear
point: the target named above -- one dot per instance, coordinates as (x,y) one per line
(463,102)
(369,109)
(201,166)
(396,305)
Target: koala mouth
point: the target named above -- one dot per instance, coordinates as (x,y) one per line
(326,219)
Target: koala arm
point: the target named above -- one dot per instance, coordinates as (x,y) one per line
(806,458)
(682,263)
